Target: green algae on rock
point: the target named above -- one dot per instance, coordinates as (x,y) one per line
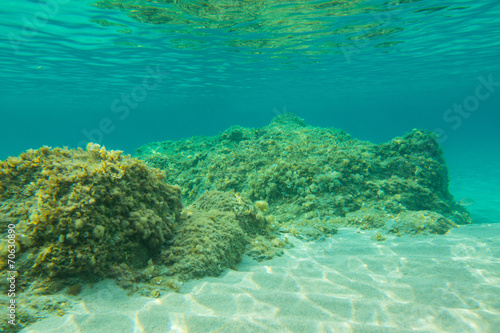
(81,216)
(421,222)
(218,228)
(96,213)
(79,213)
(313,176)
(206,244)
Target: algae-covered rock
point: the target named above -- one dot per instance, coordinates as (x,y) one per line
(308,173)
(79,213)
(207,243)
(378,237)
(96,213)
(367,218)
(265,248)
(83,215)
(216,231)
(249,216)
(421,222)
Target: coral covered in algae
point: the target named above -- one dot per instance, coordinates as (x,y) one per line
(313,176)
(80,213)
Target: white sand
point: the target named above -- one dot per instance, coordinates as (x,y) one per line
(348,283)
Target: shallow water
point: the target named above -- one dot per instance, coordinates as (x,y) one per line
(375,69)
(475,174)
(130,72)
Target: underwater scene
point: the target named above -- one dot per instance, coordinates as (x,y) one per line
(239,166)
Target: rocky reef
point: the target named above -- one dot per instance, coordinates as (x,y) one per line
(83,215)
(315,179)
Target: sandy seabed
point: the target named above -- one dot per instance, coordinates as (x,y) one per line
(347,283)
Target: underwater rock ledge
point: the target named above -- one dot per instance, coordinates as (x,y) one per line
(83,215)
(316,179)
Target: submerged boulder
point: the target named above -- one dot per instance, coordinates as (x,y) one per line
(216,230)
(313,178)
(81,212)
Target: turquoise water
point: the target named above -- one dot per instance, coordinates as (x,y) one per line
(375,69)
(73,72)
(124,73)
